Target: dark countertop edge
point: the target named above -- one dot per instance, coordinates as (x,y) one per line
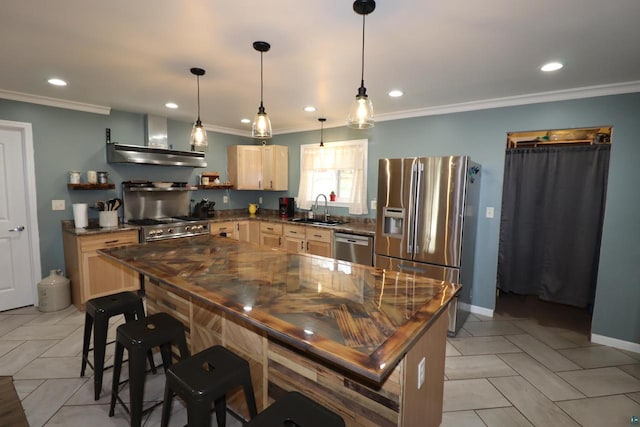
(354,227)
(419,324)
(67,227)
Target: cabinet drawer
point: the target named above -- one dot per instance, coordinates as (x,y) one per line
(294,231)
(216,228)
(271,228)
(319,234)
(108,240)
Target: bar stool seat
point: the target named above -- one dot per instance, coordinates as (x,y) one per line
(138,337)
(98,311)
(296,410)
(205,378)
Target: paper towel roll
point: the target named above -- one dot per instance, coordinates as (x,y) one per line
(80,215)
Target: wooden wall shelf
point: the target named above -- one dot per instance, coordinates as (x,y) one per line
(91,186)
(215,187)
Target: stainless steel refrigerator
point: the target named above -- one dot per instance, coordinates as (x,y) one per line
(426,222)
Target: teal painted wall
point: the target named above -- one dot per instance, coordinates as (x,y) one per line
(66,140)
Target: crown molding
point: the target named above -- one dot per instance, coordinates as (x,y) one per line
(510,101)
(55,102)
(230,131)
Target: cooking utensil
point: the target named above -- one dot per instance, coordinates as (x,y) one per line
(116,204)
(100,205)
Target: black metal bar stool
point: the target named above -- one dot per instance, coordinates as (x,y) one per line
(98,312)
(205,378)
(158,330)
(296,410)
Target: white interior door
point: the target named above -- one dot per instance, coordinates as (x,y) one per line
(19,248)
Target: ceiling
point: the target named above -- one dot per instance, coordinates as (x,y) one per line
(135,55)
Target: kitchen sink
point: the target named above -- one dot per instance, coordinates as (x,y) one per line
(316,221)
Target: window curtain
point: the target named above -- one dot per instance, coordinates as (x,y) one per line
(334,156)
(551,222)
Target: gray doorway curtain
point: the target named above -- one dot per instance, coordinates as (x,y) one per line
(551,222)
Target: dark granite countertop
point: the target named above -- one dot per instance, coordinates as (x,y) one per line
(357,318)
(94,228)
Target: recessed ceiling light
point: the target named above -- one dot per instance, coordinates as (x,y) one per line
(245,121)
(310,109)
(171,105)
(57,82)
(396,93)
(551,66)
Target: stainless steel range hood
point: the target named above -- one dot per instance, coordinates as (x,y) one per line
(121,153)
(156,151)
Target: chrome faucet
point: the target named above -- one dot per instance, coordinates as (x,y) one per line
(326,207)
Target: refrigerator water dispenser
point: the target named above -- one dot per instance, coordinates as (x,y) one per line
(393,221)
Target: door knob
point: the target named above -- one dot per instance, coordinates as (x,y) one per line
(18,228)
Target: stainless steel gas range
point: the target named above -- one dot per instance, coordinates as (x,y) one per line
(161,212)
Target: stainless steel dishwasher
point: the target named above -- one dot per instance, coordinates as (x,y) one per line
(353,248)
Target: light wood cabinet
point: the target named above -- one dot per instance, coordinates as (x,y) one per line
(93,275)
(310,240)
(320,241)
(226,227)
(270,235)
(248,231)
(254,167)
(294,238)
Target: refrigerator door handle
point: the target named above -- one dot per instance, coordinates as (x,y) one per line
(416,181)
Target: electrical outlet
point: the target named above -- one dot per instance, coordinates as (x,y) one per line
(260,200)
(489,213)
(421,373)
(374,204)
(225,199)
(57,205)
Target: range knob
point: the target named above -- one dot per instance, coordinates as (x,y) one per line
(170,230)
(152,233)
(187,228)
(159,233)
(199,227)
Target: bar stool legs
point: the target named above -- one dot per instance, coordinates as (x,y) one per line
(98,312)
(158,330)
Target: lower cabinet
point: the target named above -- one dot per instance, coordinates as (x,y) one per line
(309,240)
(320,241)
(248,231)
(93,275)
(227,228)
(270,235)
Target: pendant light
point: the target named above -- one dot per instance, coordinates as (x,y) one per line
(198,133)
(322,120)
(361,111)
(261,127)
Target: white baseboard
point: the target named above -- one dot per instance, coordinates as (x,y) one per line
(616,343)
(477,310)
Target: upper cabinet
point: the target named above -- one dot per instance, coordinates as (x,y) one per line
(255,167)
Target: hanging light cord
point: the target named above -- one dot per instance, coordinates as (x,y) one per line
(362,68)
(261,84)
(198,79)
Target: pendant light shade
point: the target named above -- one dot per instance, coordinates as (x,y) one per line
(361,111)
(198,133)
(322,120)
(261,127)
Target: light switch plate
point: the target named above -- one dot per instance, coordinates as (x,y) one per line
(374,204)
(57,205)
(225,199)
(260,200)
(489,213)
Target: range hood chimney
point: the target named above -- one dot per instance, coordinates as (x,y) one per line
(156,151)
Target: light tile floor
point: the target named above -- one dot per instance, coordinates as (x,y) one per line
(499,372)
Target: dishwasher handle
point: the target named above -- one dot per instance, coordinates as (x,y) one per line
(352,239)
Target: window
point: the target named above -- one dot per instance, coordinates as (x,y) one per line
(340,167)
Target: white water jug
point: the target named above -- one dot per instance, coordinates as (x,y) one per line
(54,292)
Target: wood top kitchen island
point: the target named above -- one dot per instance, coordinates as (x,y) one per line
(349,336)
